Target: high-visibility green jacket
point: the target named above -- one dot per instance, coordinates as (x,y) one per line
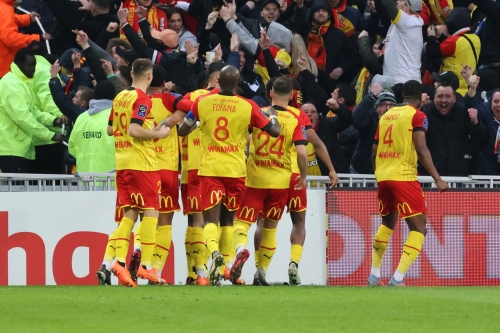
(20,122)
(89,143)
(43,96)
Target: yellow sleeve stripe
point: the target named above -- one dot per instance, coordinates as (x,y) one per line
(396,19)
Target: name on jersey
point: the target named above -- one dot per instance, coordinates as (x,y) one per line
(389,154)
(224,108)
(223,149)
(122,103)
(92,135)
(269,164)
(122,144)
(391,116)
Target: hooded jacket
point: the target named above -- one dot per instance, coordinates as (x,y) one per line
(11,40)
(92,147)
(20,121)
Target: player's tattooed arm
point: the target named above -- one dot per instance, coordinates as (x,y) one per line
(173,119)
(188,125)
(275,128)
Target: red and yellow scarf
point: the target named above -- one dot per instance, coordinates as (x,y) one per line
(316,46)
(157,18)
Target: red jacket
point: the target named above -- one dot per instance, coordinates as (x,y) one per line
(11,40)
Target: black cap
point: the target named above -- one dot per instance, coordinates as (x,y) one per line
(265,2)
(129,55)
(447,78)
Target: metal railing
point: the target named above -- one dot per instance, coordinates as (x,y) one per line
(10,182)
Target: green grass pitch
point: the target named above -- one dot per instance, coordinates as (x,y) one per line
(249,309)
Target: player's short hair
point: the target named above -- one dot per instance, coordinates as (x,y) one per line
(213,68)
(87,94)
(159,74)
(141,67)
(202,80)
(21,55)
(412,90)
(102,4)
(283,86)
(117,42)
(348,93)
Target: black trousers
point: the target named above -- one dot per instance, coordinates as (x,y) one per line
(14,164)
(48,160)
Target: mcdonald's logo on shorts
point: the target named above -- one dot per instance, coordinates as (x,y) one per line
(135,198)
(245,211)
(295,203)
(193,202)
(217,194)
(274,213)
(167,202)
(231,201)
(402,208)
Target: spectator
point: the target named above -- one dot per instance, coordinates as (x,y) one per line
(117,42)
(177,24)
(89,143)
(335,56)
(11,40)
(71,108)
(67,13)
(404,41)
(448,79)
(458,48)
(489,114)
(490,34)
(365,119)
(20,121)
(328,129)
(348,19)
(453,133)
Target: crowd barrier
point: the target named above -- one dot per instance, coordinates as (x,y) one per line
(53,231)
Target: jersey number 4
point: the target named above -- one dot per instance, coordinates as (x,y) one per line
(388,136)
(276,148)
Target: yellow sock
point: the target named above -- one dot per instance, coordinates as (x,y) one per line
(162,248)
(137,236)
(267,247)
(211,237)
(148,240)
(256,257)
(411,250)
(296,253)
(123,239)
(110,252)
(240,234)
(188,247)
(226,244)
(198,247)
(380,242)
(208,255)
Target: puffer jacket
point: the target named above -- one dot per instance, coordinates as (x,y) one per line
(20,121)
(11,40)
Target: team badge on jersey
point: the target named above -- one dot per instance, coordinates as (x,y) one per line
(304,132)
(143,109)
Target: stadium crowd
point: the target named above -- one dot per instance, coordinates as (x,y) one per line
(336,49)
